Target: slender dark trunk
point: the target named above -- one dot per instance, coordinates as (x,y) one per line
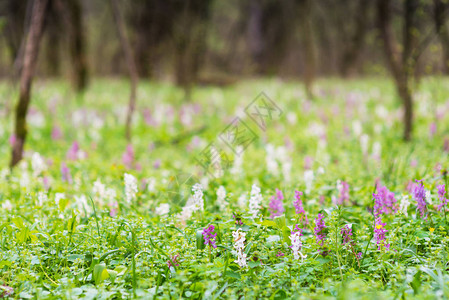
(355,46)
(309,48)
(440,10)
(130,64)
(26,78)
(77,45)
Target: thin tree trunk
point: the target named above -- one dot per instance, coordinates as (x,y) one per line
(77,45)
(353,50)
(440,10)
(309,49)
(130,64)
(26,78)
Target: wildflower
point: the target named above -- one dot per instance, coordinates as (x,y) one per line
(209,236)
(172,262)
(346,232)
(128,156)
(379,234)
(343,188)
(431,230)
(442,196)
(59,197)
(73,152)
(38,164)
(296,246)
(299,209)
(197,198)
(384,201)
(82,204)
(276,206)
(403,206)
(419,193)
(308,180)
(56,133)
(239,246)
(130,187)
(359,255)
(238,161)
(279,254)
(163,209)
(319,230)
(221,197)
(41,198)
(6,291)
(255,201)
(65,172)
(99,191)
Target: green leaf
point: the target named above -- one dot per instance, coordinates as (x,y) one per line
(199,240)
(416,282)
(233,274)
(100,273)
(280,221)
(268,223)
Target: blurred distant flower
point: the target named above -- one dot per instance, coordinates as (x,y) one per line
(276,206)
(296,245)
(446,144)
(308,161)
(299,208)
(442,196)
(56,133)
(6,291)
(130,187)
(7,205)
(308,180)
(432,129)
(221,198)
(209,236)
(128,156)
(12,139)
(343,188)
(38,164)
(413,163)
(403,206)
(197,197)
(163,209)
(65,173)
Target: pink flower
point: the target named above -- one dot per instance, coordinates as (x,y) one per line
(276,206)
(128,156)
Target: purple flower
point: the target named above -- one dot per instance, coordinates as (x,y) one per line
(319,230)
(65,173)
(172,262)
(384,201)
(379,234)
(446,144)
(359,255)
(279,254)
(276,206)
(72,154)
(6,291)
(346,232)
(419,193)
(344,193)
(299,209)
(209,236)
(442,196)
(12,139)
(128,156)
(432,129)
(56,133)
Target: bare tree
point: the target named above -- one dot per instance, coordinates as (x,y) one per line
(26,78)
(130,64)
(402,63)
(309,48)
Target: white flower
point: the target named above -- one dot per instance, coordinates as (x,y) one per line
(59,197)
(296,246)
(221,198)
(151,186)
(82,204)
(99,191)
(377,150)
(273,238)
(41,198)
(163,209)
(429,197)
(270,159)
(403,206)
(238,161)
(38,164)
(255,201)
(197,198)
(242,200)
(308,180)
(364,139)
(130,187)
(239,246)
(357,127)
(7,205)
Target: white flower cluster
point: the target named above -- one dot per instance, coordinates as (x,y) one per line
(255,201)
(239,246)
(296,246)
(197,198)
(238,161)
(163,209)
(221,198)
(130,187)
(38,164)
(308,180)
(103,194)
(403,206)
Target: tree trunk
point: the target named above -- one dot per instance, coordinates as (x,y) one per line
(130,64)
(309,49)
(355,45)
(26,78)
(440,10)
(77,45)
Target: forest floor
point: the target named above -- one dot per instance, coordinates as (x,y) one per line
(248,191)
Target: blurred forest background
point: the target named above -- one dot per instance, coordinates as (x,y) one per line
(216,41)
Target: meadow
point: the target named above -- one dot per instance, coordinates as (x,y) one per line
(317,199)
